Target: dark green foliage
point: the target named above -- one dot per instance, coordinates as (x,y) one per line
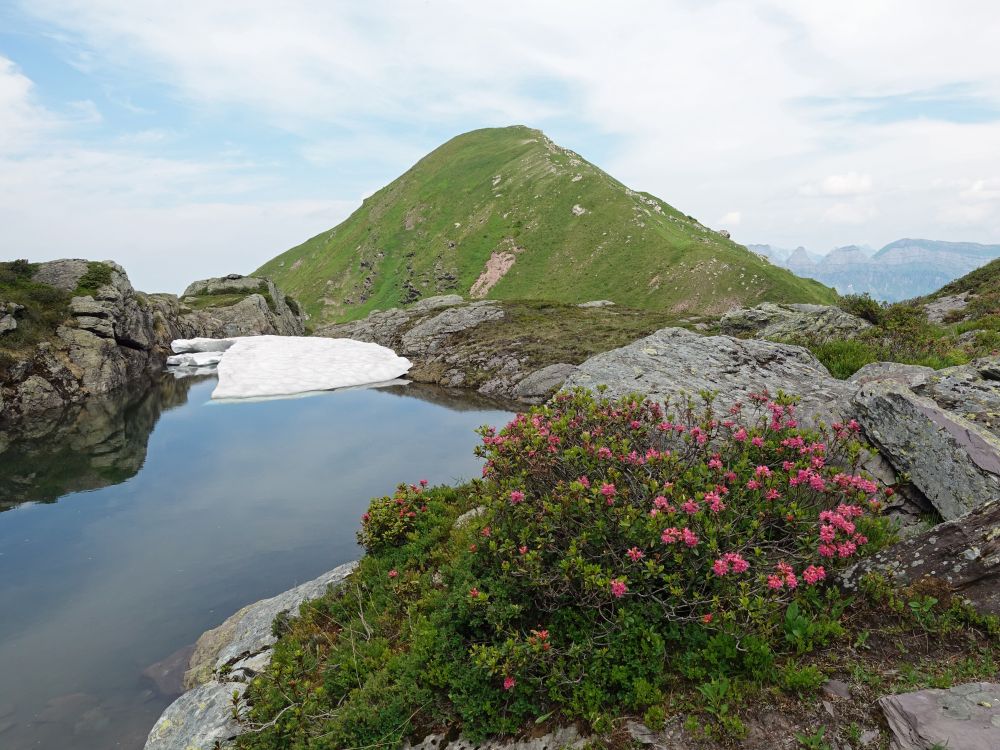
(97,275)
(863,306)
(568,597)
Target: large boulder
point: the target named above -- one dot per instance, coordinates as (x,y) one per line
(964,717)
(953,461)
(964,554)
(794,321)
(674,364)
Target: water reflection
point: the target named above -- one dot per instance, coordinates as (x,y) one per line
(85,447)
(181,525)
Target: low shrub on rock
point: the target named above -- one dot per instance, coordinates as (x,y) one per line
(623,546)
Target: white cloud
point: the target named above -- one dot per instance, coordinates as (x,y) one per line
(851,183)
(708,105)
(731,219)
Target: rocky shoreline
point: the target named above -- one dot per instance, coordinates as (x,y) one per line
(113,336)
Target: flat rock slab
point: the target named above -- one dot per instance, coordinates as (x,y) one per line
(198,719)
(965,717)
(815,322)
(675,363)
(264,366)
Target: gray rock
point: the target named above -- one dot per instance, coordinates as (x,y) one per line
(7,323)
(87,306)
(964,554)
(251,316)
(945,307)
(952,461)
(248,632)
(675,363)
(908,375)
(965,717)
(541,384)
(837,689)
(199,718)
(972,391)
(597,303)
(434,303)
(100,326)
(428,335)
(62,274)
(813,322)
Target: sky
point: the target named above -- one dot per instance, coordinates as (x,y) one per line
(197,138)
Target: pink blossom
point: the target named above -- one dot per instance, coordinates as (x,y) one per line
(690,507)
(757,441)
(608,490)
(509,682)
(516,496)
(604,452)
(791,581)
(827,550)
(635,554)
(753,484)
(814,574)
(737,562)
(523,549)
(772,494)
(827,533)
(671,535)
(393,573)
(661,503)
(715,503)
(584,481)
(690,538)
(740,435)
(714,463)
(720,567)
(762,471)
(618,588)
(486,531)
(474,593)
(423,482)
(775,582)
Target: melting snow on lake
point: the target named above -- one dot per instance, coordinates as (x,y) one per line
(262,366)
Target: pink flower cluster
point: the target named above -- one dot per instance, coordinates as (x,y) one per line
(836,524)
(673,535)
(731,562)
(618,588)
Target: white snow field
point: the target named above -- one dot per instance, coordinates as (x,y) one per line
(262,366)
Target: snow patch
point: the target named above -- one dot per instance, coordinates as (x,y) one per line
(260,366)
(184,346)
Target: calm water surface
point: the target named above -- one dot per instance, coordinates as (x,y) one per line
(133,525)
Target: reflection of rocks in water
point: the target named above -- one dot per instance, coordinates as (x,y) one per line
(456,399)
(84,447)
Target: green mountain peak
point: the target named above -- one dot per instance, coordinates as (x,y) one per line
(506,213)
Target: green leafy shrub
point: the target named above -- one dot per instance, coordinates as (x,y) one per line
(97,275)
(863,306)
(389,520)
(622,547)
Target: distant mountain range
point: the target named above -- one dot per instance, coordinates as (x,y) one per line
(902,269)
(505,213)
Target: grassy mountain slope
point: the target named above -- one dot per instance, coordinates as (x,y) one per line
(541,222)
(983,289)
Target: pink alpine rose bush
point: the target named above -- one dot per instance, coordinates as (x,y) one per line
(690,537)
(388,520)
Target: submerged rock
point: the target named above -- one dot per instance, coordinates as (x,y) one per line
(224,659)
(965,717)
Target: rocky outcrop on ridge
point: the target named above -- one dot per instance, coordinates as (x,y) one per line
(812,322)
(112,335)
(964,717)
